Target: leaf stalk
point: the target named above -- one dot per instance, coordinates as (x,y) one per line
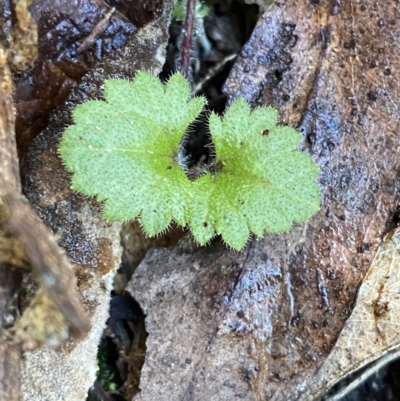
(187,36)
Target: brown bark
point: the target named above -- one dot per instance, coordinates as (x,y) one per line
(10,355)
(49,263)
(9,178)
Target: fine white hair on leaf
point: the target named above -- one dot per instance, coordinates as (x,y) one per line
(182,158)
(243,182)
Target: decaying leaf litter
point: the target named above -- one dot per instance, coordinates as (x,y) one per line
(317,71)
(349,128)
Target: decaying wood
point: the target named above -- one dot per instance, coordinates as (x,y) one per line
(9,178)
(10,355)
(24,37)
(25,243)
(48,262)
(12,253)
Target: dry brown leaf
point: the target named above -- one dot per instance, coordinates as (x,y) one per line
(373,327)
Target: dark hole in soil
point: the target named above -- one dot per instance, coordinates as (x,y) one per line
(121,352)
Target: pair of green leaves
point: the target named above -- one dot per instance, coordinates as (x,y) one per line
(126,151)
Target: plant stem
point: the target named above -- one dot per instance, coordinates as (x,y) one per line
(187,36)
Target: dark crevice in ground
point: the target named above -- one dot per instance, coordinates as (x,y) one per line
(121,352)
(382,385)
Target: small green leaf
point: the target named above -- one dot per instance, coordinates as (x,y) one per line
(261,183)
(125,150)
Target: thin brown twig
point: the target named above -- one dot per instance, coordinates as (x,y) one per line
(187,36)
(97,31)
(49,263)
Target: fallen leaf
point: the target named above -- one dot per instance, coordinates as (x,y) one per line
(258,324)
(373,327)
(63,26)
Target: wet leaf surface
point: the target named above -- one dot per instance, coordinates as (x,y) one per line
(63,26)
(258,324)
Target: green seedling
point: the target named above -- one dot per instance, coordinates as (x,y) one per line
(127,151)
